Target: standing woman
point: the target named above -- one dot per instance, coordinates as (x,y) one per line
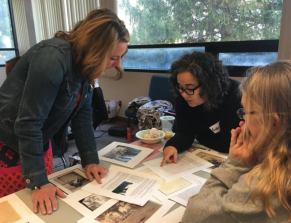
(48,87)
(254,183)
(206,104)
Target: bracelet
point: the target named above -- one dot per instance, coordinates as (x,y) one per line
(40,187)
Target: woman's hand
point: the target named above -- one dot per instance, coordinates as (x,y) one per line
(46,198)
(170,155)
(95,171)
(239,149)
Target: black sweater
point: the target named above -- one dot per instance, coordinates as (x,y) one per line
(211,128)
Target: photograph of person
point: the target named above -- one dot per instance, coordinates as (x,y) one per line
(206,104)
(122,153)
(253,185)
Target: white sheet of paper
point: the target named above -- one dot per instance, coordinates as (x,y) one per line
(187,163)
(163,209)
(183,198)
(84,202)
(174,216)
(126,185)
(124,154)
(212,157)
(70,179)
(175,188)
(17,211)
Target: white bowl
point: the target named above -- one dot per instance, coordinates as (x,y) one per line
(149,141)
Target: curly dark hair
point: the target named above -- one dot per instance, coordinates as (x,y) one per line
(211,75)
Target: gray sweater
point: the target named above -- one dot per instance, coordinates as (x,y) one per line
(225,197)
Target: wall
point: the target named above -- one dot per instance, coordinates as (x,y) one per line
(284,52)
(2,75)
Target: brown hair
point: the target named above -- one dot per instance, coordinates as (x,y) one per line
(93,40)
(267,90)
(10,64)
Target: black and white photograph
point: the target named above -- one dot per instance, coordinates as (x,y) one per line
(123,212)
(122,153)
(94,201)
(72,181)
(122,188)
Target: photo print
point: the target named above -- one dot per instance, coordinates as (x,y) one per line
(8,213)
(123,212)
(122,153)
(122,188)
(93,201)
(215,160)
(72,181)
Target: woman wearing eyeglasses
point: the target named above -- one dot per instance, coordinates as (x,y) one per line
(254,183)
(206,104)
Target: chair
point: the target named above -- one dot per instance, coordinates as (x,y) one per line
(160,89)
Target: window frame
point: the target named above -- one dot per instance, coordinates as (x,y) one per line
(215,48)
(13,33)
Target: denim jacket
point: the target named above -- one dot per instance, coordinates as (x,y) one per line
(35,101)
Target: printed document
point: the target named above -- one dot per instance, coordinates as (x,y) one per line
(187,163)
(126,185)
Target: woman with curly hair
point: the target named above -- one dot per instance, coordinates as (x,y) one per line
(49,87)
(206,102)
(254,183)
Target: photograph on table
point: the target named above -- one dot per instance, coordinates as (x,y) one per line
(122,188)
(8,213)
(69,180)
(93,201)
(128,213)
(122,153)
(214,158)
(13,209)
(72,181)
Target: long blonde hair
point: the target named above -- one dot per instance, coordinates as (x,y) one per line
(93,40)
(267,89)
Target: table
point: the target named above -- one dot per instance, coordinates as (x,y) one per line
(65,213)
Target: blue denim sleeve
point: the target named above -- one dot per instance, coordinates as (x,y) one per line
(47,66)
(82,128)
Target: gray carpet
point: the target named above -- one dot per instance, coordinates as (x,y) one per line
(101,142)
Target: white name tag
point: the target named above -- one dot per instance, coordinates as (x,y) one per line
(215,128)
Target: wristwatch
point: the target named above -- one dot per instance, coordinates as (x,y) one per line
(40,186)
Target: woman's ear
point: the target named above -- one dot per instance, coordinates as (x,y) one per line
(276,124)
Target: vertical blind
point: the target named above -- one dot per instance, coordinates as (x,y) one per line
(20,26)
(51,16)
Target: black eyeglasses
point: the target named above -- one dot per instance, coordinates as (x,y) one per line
(188,91)
(241,112)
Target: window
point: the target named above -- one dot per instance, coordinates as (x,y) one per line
(222,27)
(8,45)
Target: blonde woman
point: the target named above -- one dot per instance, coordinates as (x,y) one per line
(254,183)
(48,87)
